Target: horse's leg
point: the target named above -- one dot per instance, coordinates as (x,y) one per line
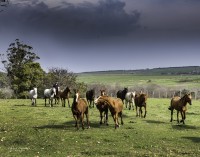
(136,110)
(35,102)
(120,114)
(45,102)
(145,111)
(76,120)
(101,117)
(177,116)
(87,119)
(106,116)
(126,103)
(129,105)
(82,120)
(133,105)
(90,103)
(51,102)
(172,110)
(68,102)
(116,120)
(140,111)
(64,102)
(182,115)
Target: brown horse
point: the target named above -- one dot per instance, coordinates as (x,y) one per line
(141,101)
(179,104)
(79,108)
(65,95)
(115,106)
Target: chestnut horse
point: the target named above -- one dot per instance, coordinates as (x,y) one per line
(65,95)
(115,106)
(79,108)
(102,106)
(141,101)
(179,104)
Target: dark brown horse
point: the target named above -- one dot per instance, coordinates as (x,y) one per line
(141,101)
(65,95)
(79,108)
(179,104)
(90,94)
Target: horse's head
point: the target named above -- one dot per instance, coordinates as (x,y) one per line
(35,90)
(103,92)
(76,95)
(67,90)
(125,90)
(188,98)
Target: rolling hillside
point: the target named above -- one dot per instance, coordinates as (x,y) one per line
(185,70)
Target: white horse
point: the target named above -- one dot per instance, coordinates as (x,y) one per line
(129,99)
(49,94)
(33,96)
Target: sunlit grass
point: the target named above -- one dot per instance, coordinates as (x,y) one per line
(44,131)
(132,80)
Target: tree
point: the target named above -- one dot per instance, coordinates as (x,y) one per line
(64,78)
(22,71)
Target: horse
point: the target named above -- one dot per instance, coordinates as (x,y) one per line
(140,101)
(33,96)
(90,94)
(49,93)
(179,104)
(103,92)
(103,108)
(121,94)
(79,108)
(65,95)
(115,106)
(57,95)
(129,99)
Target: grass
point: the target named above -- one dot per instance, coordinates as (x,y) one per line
(132,80)
(43,132)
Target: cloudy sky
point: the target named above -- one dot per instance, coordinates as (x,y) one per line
(93,35)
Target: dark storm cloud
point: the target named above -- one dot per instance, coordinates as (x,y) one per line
(107,18)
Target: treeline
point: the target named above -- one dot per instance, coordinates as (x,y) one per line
(152,90)
(23,72)
(185,70)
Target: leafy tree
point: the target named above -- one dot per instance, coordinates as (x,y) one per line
(64,78)
(22,71)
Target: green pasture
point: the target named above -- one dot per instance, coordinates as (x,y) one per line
(44,132)
(132,80)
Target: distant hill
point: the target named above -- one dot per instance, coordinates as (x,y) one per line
(185,70)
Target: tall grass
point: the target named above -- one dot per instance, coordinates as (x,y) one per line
(44,131)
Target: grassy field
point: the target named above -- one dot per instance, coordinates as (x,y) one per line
(43,131)
(130,80)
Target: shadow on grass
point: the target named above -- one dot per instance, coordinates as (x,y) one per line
(68,125)
(155,121)
(183,126)
(193,139)
(192,113)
